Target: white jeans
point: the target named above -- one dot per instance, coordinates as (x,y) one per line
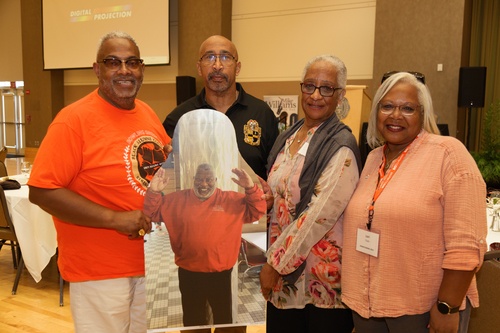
(109,306)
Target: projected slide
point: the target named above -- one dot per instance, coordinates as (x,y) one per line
(72,29)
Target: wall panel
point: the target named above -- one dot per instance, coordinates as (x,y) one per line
(275,39)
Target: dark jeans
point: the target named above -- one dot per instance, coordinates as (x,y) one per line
(308,320)
(405,324)
(200,290)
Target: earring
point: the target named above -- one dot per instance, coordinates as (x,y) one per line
(342,109)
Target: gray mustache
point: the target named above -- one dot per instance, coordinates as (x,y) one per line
(217,74)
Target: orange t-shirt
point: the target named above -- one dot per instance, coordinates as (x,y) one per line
(205,235)
(107,155)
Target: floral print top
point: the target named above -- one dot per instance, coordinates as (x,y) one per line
(316,235)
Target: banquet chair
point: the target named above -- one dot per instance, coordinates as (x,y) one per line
(8,233)
(3,154)
(61,282)
(3,169)
(253,257)
(485,318)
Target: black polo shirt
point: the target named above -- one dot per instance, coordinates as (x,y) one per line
(254,122)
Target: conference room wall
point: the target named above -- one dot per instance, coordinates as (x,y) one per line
(269,45)
(11,57)
(436,34)
(418,44)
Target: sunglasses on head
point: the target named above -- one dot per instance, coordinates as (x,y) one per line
(419,76)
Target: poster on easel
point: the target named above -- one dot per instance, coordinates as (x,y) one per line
(286,109)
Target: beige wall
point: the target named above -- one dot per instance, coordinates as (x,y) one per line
(276,38)
(273,44)
(11,57)
(271,65)
(274,41)
(417,36)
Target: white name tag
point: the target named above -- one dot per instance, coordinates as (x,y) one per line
(367,242)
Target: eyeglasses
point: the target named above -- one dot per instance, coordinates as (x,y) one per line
(406,110)
(419,76)
(225,58)
(325,91)
(115,63)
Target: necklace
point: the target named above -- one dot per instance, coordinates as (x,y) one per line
(388,162)
(296,138)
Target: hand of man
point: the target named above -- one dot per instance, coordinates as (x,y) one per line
(244,180)
(167,149)
(159,181)
(132,223)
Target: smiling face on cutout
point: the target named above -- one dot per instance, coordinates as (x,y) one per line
(204,182)
(398,130)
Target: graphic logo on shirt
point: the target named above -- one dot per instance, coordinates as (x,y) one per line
(143,156)
(252,132)
(217,208)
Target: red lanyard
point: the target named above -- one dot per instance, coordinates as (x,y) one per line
(383,180)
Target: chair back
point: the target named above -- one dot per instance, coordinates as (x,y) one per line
(3,169)
(3,154)
(7,230)
(486,317)
(253,256)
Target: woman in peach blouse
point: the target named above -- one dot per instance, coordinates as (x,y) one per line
(415,228)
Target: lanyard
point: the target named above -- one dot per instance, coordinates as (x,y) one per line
(383,180)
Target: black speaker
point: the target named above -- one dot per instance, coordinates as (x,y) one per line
(185,88)
(443,129)
(364,148)
(471,86)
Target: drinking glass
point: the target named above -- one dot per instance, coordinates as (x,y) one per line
(25,168)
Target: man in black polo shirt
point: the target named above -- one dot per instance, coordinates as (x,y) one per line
(254,122)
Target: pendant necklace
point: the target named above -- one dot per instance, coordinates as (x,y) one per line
(297,136)
(388,163)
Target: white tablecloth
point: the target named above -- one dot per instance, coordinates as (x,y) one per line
(493,236)
(258,239)
(35,231)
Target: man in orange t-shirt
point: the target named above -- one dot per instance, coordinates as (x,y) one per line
(91,174)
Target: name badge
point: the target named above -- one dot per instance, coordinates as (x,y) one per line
(367,242)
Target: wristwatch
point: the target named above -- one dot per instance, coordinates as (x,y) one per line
(444,308)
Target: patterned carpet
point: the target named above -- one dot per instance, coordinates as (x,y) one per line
(164,308)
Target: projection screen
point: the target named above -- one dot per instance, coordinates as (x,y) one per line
(72,29)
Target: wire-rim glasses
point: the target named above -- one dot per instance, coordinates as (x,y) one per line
(115,63)
(407,109)
(225,58)
(325,91)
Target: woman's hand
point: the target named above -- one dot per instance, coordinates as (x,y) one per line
(244,180)
(443,323)
(268,193)
(268,279)
(159,181)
